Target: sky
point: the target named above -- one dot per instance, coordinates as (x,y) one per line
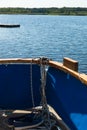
(43,3)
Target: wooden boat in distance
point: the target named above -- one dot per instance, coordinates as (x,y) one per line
(9,25)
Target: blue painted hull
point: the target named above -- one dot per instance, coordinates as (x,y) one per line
(15,91)
(65,93)
(68,96)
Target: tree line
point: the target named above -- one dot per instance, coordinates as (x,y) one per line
(45,11)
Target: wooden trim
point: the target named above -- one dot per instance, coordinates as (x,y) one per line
(71,64)
(79,76)
(18,60)
(58,65)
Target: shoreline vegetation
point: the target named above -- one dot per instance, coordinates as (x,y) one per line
(46,11)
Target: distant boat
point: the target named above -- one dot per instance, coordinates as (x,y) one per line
(9,25)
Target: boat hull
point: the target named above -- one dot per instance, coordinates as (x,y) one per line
(66,89)
(9,25)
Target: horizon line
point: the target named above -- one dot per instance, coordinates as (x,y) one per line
(45,7)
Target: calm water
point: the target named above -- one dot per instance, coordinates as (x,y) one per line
(51,36)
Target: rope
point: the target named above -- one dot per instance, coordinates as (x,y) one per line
(43,84)
(48,122)
(31,85)
(45,113)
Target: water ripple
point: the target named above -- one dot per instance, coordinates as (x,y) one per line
(51,36)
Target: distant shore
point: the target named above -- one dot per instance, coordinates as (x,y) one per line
(45,11)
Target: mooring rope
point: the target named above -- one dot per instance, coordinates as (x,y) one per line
(31,85)
(48,122)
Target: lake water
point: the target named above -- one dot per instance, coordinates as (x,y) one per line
(41,35)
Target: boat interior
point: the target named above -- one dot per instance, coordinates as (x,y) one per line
(32,86)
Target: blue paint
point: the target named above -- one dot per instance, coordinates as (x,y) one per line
(66,94)
(68,76)
(15,90)
(68,98)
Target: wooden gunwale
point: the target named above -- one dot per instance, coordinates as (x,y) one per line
(80,76)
